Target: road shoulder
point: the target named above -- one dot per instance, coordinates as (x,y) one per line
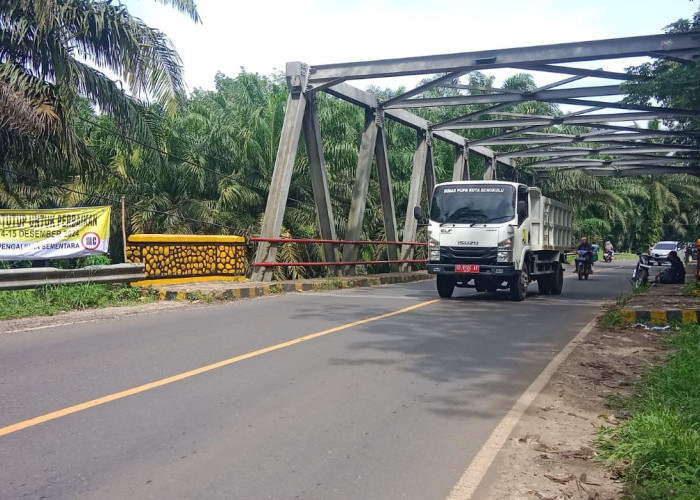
(551,452)
(32,323)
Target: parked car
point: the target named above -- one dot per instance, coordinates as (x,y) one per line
(691,250)
(659,253)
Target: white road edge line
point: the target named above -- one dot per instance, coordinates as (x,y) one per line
(475,472)
(50,325)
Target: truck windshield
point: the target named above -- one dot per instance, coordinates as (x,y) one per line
(473,204)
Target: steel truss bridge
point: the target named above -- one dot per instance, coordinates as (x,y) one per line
(626,149)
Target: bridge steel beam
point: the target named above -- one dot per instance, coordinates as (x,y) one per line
(319,179)
(282,174)
(570,120)
(490,170)
(510,98)
(420,158)
(360,189)
(550,140)
(568,70)
(632,149)
(617,162)
(386,194)
(661,45)
(623,171)
(460,172)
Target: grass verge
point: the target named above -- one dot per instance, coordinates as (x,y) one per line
(51,299)
(693,289)
(658,449)
(613,312)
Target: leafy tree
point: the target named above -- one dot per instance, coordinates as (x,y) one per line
(54,51)
(669,82)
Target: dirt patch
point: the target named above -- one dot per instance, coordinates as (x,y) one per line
(551,453)
(660,297)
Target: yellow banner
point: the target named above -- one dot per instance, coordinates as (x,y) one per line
(53,234)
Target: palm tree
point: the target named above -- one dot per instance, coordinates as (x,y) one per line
(54,51)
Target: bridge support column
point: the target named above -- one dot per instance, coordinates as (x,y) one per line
(360,189)
(319,180)
(385,193)
(490,170)
(284,164)
(461,168)
(429,169)
(420,159)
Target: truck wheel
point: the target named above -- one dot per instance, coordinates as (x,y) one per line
(445,286)
(557,281)
(518,286)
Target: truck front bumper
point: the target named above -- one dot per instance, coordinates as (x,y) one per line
(504,271)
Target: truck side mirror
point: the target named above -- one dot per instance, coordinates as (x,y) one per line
(418,213)
(522,209)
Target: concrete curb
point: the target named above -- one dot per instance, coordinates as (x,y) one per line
(661,317)
(258,290)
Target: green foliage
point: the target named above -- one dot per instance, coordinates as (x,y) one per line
(669,82)
(633,212)
(95,260)
(53,52)
(49,300)
(613,312)
(658,448)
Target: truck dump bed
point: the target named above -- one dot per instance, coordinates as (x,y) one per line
(552,224)
(558,223)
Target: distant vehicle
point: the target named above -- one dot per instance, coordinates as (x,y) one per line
(659,253)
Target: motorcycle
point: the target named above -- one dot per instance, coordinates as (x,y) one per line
(583,264)
(640,275)
(608,256)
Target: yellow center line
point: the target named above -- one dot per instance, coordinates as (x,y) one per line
(181,376)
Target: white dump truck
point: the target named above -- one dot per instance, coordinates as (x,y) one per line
(493,235)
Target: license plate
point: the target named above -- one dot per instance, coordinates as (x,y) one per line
(466,268)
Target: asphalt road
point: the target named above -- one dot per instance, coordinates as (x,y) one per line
(394,407)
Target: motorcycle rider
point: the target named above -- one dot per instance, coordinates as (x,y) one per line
(608,248)
(584,245)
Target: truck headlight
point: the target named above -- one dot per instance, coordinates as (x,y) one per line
(505,250)
(433,250)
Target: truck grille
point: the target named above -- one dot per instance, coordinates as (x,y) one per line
(468,255)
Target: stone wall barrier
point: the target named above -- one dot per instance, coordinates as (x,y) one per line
(181,258)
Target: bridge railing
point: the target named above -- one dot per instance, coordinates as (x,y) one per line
(336,242)
(36,277)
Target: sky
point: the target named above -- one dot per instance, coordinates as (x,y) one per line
(261,36)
